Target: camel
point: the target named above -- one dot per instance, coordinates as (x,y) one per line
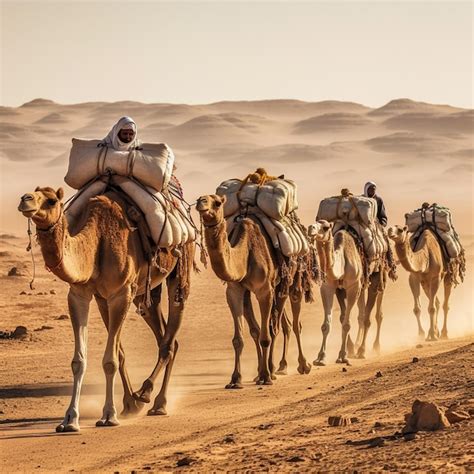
(342,264)
(427,270)
(101,256)
(248,265)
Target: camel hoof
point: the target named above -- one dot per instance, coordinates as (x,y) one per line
(361,354)
(304,368)
(107,422)
(342,360)
(68,428)
(319,363)
(157,412)
(267,381)
(131,407)
(273,376)
(444,335)
(282,371)
(234,386)
(376,349)
(432,338)
(421,335)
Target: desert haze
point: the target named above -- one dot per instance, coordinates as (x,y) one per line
(414,151)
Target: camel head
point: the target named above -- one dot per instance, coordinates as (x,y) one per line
(43,206)
(320,231)
(398,234)
(211,209)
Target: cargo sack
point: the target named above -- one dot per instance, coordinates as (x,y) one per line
(276,198)
(436,215)
(348,208)
(453,246)
(150,163)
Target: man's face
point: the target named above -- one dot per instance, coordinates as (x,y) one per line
(126,135)
(371,191)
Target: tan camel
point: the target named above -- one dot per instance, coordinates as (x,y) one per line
(342,264)
(427,270)
(248,265)
(102,257)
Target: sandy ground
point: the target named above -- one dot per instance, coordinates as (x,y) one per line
(283,427)
(416,152)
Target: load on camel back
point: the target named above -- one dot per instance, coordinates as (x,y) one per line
(438,219)
(144,172)
(273,201)
(358,216)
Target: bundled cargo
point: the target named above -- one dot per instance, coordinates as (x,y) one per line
(150,163)
(360,214)
(276,198)
(436,215)
(273,201)
(347,207)
(438,219)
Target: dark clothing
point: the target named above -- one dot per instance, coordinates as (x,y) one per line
(381,214)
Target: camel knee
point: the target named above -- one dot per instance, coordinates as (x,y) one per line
(325,328)
(110,367)
(238,343)
(166,353)
(367,323)
(78,366)
(265,342)
(346,327)
(255,333)
(379,317)
(445,307)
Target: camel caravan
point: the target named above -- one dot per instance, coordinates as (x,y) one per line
(128,230)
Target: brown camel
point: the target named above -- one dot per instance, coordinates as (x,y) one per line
(101,257)
(427,270)
(342,264)
(248,265)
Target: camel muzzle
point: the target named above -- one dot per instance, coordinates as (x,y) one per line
(27,205)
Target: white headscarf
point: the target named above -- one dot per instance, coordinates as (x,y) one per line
(367,186)
(114,141)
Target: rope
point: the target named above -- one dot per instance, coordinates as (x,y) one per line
(30,249)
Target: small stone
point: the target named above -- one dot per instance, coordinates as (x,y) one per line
(16,272)
(457,416)
(419,346)
(415,360)
(378,424)
(339,421)
(20,331)
(62,316)
(52,292)
(229,439)
(344,369)
(379,374)
(83,442)
(354,419)
(377,443)
(23,293)
(410,436)
(186,461)
(295,459)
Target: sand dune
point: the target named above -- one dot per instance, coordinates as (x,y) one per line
(337,122)
(407,142)
(400,106)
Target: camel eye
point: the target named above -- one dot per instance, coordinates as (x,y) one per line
(52,202)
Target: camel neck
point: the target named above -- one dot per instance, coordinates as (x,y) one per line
(412,261)
(326,253)
(229,263)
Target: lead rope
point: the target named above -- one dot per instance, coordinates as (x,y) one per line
(30,249)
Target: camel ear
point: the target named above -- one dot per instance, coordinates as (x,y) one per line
(37,188)
(221,200)
(405,228)
(60,193)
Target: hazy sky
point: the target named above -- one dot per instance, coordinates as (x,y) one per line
(196,52)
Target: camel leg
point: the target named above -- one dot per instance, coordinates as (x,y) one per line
(296,299)
(79,311)
(286,328)
(235,299)
(254,328)
(130,405)
(352,295)
(327,296)
(433,290)
(341,299)
(168,347)
(447,293)
(414,282)
(372,294)
(361,322)
(118,306)
(379,319)
(437,306)
(265,301)
(275,326)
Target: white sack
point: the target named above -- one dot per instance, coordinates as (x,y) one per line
(152,163)
(342,208)
(442,217)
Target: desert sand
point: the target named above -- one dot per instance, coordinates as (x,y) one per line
(416,152)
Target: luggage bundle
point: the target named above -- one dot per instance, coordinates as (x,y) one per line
(358,213)
(274,202)
(143,174)
(438,219)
